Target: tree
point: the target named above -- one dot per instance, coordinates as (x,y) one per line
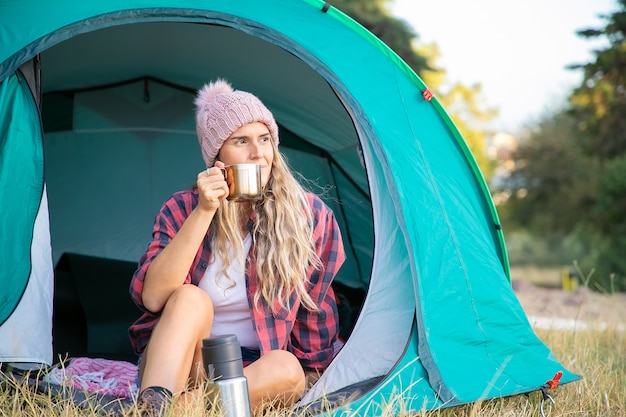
(570,175)
(397,34)
(464,104)
(600,104)
(553,184)
(600,101)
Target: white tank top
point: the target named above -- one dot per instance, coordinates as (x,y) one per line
(230,303)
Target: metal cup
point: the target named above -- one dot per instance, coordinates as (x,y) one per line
(244,182)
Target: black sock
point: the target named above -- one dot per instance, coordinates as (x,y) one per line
(155,391)
(154,401)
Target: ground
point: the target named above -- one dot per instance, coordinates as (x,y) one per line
(582,303)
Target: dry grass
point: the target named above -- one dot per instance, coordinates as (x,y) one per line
(598,355)
(539,276)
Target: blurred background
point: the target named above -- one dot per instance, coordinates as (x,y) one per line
(538,90)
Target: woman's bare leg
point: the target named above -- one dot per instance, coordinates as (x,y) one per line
(276,378)
(173,356)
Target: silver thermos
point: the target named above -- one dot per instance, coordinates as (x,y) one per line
(221,357)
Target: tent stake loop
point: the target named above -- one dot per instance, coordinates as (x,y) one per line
(553,383)
(545,396)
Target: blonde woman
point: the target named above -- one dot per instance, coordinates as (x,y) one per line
(261,270)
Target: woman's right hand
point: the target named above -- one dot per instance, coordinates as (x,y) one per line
(212,187)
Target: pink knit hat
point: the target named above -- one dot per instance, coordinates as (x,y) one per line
(220,111)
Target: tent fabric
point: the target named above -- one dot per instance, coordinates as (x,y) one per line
(440,325)
(26,335)
(21,181)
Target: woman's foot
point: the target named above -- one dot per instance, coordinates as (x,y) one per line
(154,401)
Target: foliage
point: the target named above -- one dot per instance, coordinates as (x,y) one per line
(600,101)
(552,182)
(611,200)
(555,250)
(395,33)
(570,172)
(465,104)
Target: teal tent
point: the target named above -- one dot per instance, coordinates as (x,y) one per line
(96,131)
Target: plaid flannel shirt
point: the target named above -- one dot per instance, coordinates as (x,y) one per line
(309,335)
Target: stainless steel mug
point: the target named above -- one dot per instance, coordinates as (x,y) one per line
(221,358)
(244,182)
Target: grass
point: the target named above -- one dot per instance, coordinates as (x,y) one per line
(598,355)
(539,276)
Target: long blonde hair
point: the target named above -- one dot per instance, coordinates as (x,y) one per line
(282,235)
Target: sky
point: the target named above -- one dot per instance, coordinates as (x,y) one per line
(517,50)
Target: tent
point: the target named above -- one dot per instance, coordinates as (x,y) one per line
(96,131)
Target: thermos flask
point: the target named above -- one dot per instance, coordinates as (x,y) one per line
(221,357)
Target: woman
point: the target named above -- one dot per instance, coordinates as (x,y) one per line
(261,270)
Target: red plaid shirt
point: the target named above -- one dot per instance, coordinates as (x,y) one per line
(309,335)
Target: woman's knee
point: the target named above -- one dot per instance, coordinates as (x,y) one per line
(289,370)
(276,379)
(190,301)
